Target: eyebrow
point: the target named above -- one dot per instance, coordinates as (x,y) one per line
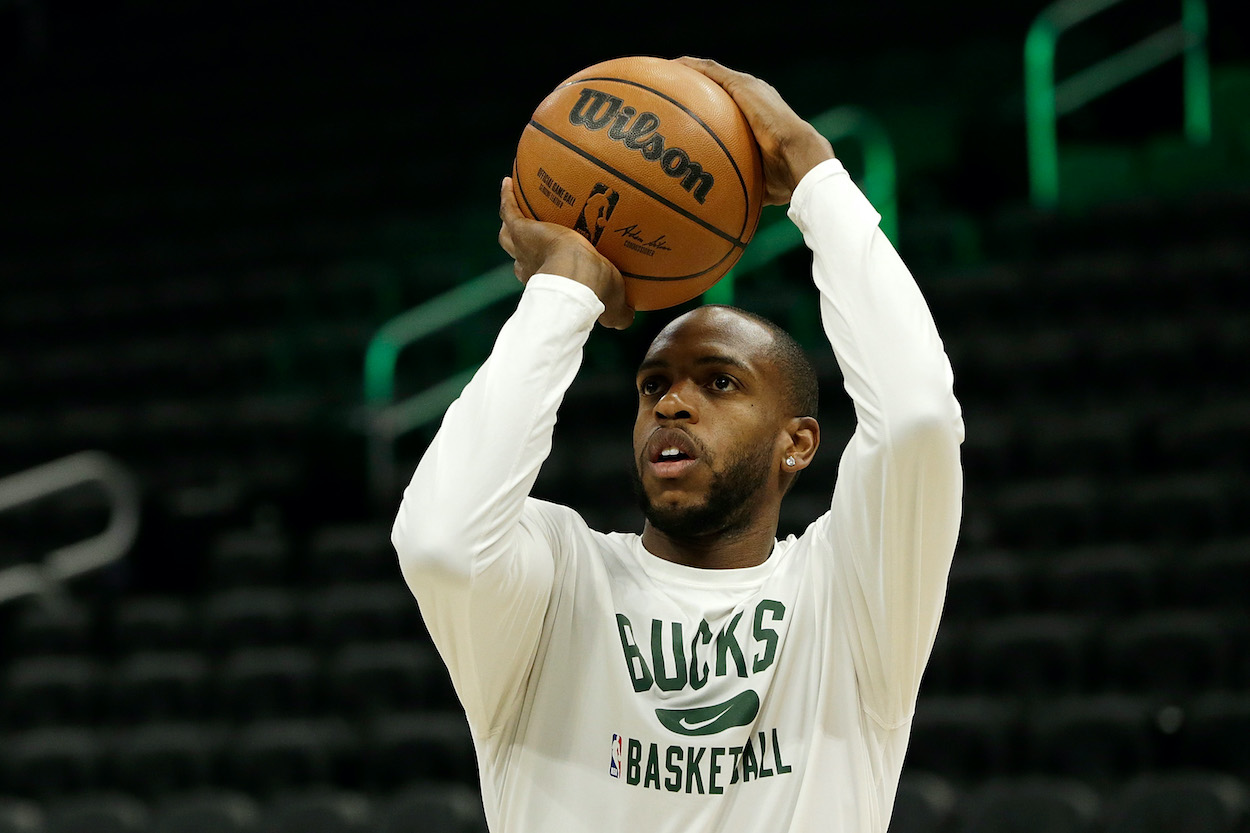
(652,364)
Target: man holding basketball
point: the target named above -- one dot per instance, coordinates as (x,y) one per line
(701,676)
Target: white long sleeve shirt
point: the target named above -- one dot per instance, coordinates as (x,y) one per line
(609,690)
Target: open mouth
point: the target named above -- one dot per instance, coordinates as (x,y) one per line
(670,452)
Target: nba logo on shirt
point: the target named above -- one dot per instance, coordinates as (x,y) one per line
(614,768)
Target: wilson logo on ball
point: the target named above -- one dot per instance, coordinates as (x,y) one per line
(596,110)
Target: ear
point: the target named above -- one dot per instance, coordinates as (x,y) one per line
(803,438)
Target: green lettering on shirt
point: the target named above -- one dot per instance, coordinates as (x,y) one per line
(699,673)
(727,643)
(672,782)
(678,680)
(766,635)
(652,776)
(638,671)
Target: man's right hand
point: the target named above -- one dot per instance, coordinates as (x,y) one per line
(553,249)
(790,146)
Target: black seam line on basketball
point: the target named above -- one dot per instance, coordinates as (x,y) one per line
(746,198)
(729,238)
(735,252)
(516,180)
(658,279)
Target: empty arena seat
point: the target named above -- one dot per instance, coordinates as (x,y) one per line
(1097,442)
(1050,513)
(362,612)
(1038,655)
(249,558)
(248,617)
(51,690)
(1213,576)
(98,813)
(160,685)
(963,737)
(321,810)
(207,811)
(273,756)
(1139,349)
(52,762)
(151,623)
(1177,506)
(155,759)
(345,553)
(37,628)
(418,746)
(371,678)
(1215,733)
(1038,804)
(1022,362)
(1213,433)
(923,803)
(1100,739)
(254,683)
(987,584)
(17,816)
(432,807)
(1172,653)
(1192,802)
(1114,579)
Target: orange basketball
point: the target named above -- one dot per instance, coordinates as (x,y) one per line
(655,164)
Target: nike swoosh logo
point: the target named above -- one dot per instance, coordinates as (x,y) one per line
(694,727)
(739,710)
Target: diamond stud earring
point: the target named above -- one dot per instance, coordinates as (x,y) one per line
(790,460)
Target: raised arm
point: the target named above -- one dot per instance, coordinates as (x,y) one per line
(896,507)
(474,551)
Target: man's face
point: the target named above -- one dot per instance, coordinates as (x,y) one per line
(709,427)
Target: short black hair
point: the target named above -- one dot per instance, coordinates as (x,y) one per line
(798,375)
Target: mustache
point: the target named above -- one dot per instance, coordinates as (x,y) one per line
(662,434)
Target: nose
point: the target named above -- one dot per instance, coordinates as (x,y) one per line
(677,403)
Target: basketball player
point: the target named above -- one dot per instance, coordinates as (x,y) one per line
(702,676)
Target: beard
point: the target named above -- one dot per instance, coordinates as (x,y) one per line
(727,507)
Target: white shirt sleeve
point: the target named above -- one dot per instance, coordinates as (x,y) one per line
(896,507)
(477,555)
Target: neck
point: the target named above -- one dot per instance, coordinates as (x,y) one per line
(746,547)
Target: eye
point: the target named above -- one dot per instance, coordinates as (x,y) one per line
(722,382)
(650,386)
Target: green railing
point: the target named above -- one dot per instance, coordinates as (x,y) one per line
(1046,100)
(386,420)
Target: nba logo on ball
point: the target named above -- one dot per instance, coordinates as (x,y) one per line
(596,211)
(614,768)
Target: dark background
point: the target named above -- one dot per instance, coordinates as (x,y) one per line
(208,209)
